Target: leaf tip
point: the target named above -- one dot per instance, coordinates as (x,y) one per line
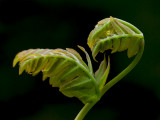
(15,61)
(95,59)
(111,18)
(21,69)
(80,47)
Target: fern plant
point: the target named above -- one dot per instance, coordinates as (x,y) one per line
(74,78)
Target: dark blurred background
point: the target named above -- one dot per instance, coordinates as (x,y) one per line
(54,24)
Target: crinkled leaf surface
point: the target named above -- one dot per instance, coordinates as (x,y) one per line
(116,35)
(65,69)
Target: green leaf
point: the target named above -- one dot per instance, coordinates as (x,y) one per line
(88,59)
(105,75)
(99,73)
(65,68)
(116,35)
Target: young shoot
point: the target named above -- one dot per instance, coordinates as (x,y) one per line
(74,78)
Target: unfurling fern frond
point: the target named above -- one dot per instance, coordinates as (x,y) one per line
(116,35)
(65,69)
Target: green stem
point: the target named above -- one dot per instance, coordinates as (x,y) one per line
(124,72)
(85,110)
